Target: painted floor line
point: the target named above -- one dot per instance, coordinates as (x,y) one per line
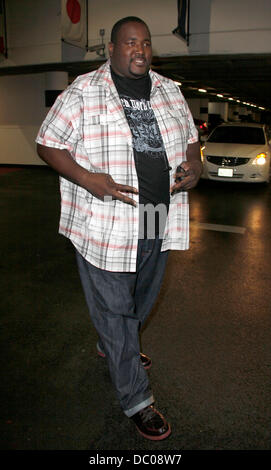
(220,228)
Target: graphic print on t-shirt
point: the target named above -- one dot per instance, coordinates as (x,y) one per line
(146,134)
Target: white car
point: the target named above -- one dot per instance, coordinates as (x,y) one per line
(237,152)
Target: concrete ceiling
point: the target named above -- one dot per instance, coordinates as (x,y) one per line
(246,77)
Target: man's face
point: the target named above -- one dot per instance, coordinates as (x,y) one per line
(132,54)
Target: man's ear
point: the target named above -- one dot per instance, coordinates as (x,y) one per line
(110,48)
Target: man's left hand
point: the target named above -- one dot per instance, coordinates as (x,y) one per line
(189,176)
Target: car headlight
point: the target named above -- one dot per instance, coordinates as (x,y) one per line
(260,159)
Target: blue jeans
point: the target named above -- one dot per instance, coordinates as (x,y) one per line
(119,303)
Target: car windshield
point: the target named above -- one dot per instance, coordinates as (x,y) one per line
(238,135)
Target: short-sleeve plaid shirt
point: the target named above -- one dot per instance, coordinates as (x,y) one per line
(88,120)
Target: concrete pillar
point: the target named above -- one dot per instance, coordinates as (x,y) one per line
(219,108)
(234,113)
(199,108)
(243,113)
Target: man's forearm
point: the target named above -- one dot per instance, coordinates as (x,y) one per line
(62,162)
(98,184)
(193,152)
(194,158)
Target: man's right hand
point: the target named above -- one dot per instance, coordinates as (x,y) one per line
(102,185)
(98,184)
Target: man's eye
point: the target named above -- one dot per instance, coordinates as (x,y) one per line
(131,43)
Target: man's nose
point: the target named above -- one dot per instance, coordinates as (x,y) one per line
(140,48)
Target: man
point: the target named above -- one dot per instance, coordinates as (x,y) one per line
(116,137)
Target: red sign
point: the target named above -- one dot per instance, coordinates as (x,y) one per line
(73,10)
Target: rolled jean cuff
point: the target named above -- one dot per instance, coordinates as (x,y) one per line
(140,406)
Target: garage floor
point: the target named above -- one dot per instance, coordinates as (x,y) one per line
(208,335)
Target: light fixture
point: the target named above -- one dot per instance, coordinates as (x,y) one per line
(178,83)
(219,95)
(201,90)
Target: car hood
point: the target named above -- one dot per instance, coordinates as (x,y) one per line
(234,150)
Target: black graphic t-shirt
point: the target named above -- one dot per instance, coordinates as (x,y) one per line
(149,153)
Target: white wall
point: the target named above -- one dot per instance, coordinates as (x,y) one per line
(21,113)
(216,27)
(230,27)
(33,32)
(34,35)
(160,15)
